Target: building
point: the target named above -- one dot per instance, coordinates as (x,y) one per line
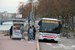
(5,14)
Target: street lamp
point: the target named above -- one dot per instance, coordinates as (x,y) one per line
(32,14)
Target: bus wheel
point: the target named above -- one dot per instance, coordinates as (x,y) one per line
(56,41)
(39,40)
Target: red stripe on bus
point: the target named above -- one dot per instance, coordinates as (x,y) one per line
(54,36)
(49,36)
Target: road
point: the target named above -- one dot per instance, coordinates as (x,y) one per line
(63,44)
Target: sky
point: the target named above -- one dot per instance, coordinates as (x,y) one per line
(11,6)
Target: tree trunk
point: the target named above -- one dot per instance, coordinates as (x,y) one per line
(72,24)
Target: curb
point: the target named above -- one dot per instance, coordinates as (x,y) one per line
(37,46)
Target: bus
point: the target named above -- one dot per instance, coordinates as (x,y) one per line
(49,29)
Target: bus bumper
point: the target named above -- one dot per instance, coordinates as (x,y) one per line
(52,39)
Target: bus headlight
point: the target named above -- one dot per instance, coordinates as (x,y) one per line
(41,35)
(58,35)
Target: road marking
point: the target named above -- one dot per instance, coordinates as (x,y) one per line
(61,45)
(71,42)
(65,47)
(73,46)
(30,42)
(49,44)
(56,47)
(53,46)
(68,47)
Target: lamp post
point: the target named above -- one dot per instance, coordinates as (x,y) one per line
(32,14)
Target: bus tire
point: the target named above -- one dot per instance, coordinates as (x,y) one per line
(56,41)
(39,40)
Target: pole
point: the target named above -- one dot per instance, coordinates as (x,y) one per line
(32,14)
(68,27)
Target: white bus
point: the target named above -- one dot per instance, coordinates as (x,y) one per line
(49,29)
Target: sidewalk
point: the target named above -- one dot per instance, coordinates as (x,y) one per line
(8,44)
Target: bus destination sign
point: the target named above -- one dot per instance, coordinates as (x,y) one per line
(48,21)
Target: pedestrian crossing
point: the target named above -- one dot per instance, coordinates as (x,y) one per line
(61,46)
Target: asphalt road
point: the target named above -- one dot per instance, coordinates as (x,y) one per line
(63,44)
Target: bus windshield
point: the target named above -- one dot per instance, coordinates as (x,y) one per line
(49,27)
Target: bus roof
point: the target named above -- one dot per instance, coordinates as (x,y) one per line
(50,19)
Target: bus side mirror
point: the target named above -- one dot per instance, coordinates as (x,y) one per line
(60,26)
(39,23)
